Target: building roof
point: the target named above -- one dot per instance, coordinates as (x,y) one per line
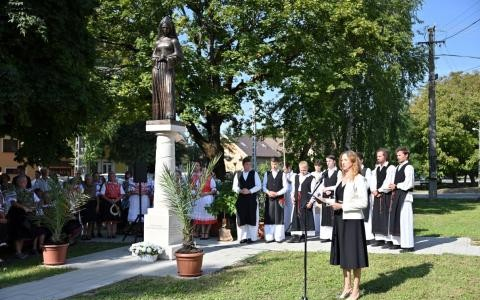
(266,147)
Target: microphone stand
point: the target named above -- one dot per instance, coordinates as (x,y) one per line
(304,297)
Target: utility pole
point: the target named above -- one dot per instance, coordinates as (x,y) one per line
(284,146)
(432,115)
(478,177)
(254,150)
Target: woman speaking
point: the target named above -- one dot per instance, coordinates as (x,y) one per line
(349,247)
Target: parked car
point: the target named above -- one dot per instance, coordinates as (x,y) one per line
(120,177)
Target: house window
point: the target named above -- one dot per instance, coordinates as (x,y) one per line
(10,145)
(106,167)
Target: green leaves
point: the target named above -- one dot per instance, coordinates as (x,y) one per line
(181,194)
(46,91)
(458,110)
(65,202)
(350,82)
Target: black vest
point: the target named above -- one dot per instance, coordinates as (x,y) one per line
(274,184)
(306,185)
(381,175)
(329,181)
(400,175)
(246,184)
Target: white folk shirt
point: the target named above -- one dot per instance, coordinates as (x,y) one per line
(301,179)
(317,175)
(409,180)
(322,187)
(388,179)
(289,176)
(368,177)
(256,188)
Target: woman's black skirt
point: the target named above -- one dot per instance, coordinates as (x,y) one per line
(19,225)
(107,213)
(89,211)
(349,246)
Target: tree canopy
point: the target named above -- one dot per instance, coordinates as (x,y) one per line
(46,89)
(344,68)
(458,113)
(349,87)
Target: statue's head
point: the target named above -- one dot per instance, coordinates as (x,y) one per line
(166,28)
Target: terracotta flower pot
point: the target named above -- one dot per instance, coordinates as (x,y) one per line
(189,264)
(54,254)
(261,230)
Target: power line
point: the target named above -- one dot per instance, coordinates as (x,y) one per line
(448,58)
(462,30)
(455,55)
(470,69)
(469,9)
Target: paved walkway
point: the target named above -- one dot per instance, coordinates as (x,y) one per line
(447,194)
(103,268)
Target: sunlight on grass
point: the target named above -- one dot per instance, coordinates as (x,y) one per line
(30,269)
(279,275)
(447,218)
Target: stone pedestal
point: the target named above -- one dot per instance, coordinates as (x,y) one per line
(161,226)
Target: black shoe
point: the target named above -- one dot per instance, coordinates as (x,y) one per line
(288,233)
(243,241)
(377,243)
(21,255)
(279,241)
(249,241)
(387,245)
(325,240)
(394,247)
(369,242)
(406,250)
(294,239)
(301,239)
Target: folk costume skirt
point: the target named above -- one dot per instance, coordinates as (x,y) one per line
(200,215)
(349,246)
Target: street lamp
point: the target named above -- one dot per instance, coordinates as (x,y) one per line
(478,130)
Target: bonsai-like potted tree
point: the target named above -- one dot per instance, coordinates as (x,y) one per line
(224,205)
(181,194)
(62,205)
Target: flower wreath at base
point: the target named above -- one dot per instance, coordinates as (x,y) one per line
(145,248)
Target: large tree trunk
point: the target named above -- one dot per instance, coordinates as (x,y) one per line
(455,179)
(210,143)
(472,178)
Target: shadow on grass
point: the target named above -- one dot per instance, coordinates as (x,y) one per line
(445,206)
(418,232)
(387,281)
(427,242)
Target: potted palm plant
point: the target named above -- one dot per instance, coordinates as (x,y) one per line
(181,194)
(62,205)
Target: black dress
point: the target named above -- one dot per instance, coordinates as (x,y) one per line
(89,209)
(349,246)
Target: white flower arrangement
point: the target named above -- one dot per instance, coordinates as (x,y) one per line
(145,248)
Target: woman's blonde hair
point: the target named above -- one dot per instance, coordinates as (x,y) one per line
(356,166)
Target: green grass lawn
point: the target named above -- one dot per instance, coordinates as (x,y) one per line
(279,275)
(18,271)
(447,218)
